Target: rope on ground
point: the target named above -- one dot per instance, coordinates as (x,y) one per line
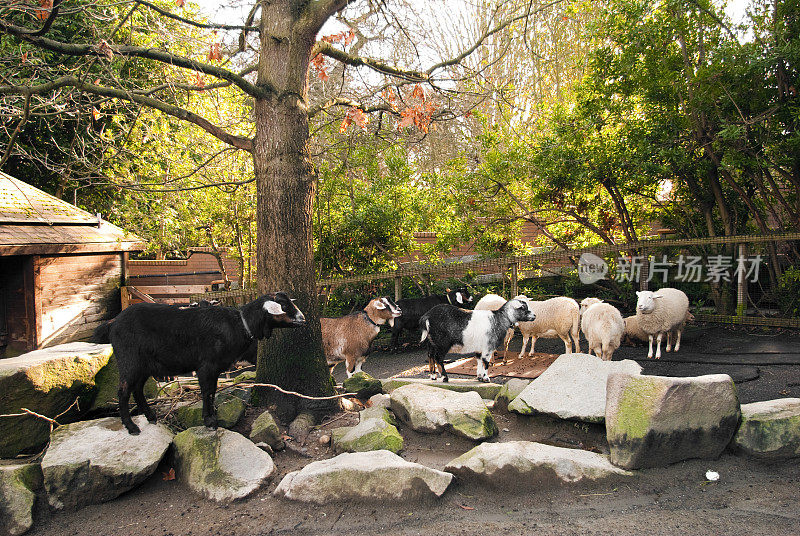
(294,393)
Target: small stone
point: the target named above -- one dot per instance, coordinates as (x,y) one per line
(230,409)
(379,401)
(324,439)
(508,392)
(265,429)
(266,448)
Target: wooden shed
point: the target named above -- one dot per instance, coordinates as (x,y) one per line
(60,268)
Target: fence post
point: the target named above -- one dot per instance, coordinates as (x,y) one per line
(644,272)
(398,288)
(514,280)
(741,285)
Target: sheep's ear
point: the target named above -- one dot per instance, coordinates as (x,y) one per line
(459,299)
(379,304)
(470,299)
(638,292)
(273,308)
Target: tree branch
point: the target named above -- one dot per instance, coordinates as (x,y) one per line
(71,49)
(326,49)
(190,22)
(239,142)
(316,13)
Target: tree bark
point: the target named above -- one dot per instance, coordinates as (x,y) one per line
(286,181)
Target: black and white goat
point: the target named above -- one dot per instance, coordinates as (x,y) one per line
(414,308)
(152,339)
(466,332)
(350,337)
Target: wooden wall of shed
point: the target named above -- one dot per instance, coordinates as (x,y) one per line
(77,292)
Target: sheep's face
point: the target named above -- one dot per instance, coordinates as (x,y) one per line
(646,301)
(586,302)
(385,310)
(283,310)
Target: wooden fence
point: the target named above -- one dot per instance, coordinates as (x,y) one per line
(512,266)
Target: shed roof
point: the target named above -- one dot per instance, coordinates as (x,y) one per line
(33,222)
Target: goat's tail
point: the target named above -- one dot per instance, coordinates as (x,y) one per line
(425,329)
(102,333)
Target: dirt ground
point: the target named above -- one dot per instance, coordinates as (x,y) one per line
(750,497)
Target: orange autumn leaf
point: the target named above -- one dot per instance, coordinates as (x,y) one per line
(96,114)
(47,6)
(198,80)
(354,115)
(180,3)
(215,53)
(418,92)
(168,475)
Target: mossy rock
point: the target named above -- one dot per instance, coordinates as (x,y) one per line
(508,392)
(367,435)
(769,430)
(377,412)
(487,390)
(246,376)
(48,382)
(265,430)
(230,409)
(18,486)
(363,385)
(107,381)
(219,464)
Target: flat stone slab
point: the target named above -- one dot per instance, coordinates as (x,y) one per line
(653,421)
(486,390)
(18,486)
(769,430)
(220,464)
(48,382)
(433,410)
(573,387)
(525,464)
(369,434)
(95,461)
(363,476)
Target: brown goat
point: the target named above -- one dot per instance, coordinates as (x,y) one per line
(350,337)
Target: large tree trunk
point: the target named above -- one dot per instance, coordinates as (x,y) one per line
(285,178)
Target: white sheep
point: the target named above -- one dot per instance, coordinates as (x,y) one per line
(634,334)
(556,318)
(660,312)
(603,326)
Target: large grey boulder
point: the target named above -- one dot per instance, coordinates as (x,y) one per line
(652,421)
(770,430)
(95,461)
(573,387)
(524,464)
(48,382)
(363,476)
(508,392)
(434,410)
(265,430)
(220,464)
(18,486)
(370,434)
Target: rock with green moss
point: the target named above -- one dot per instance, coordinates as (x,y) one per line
(508,392)
(377,412)
(48,382)
(573,387)
(107,382)
(369,434)
(374,476)
(18,486)
(265,430)
(433,410)
(219,464)
(486,390)
(230,409)
(770,430)
(653,421)
(95,461)
(246,376)
(363,385)
(524,464)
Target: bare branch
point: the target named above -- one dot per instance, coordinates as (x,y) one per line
(316,13)
(326,49)
(190,22)
(175,111)
(71,49)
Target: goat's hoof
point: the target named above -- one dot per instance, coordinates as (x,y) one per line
(445,379)
(152,420)
(133,430)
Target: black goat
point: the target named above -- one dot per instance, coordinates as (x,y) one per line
(469,332)
(152,339)
(414,308)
